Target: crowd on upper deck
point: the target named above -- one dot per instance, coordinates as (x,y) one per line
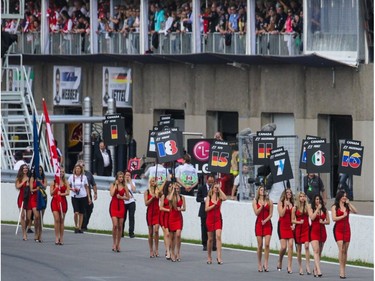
(272,16)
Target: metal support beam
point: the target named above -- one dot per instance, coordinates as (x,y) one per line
(111,110)
(143,29)
(87,111)
(196,40)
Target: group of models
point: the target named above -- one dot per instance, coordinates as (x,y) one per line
(294,226)
(165,205)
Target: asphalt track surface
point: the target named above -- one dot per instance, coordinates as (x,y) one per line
(89,257)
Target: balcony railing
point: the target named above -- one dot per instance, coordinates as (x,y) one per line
(172,43)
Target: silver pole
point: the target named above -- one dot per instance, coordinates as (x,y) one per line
(111,109)
(87,111)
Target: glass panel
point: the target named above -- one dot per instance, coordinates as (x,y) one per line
(332,25)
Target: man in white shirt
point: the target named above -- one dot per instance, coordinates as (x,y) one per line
(19,161)
(158,171)
(187,176)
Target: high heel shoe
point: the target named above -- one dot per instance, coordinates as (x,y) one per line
(308,272)
(342,277)
(289,271)
(320,275)
(315,275)
(265,269)
(278,268)
(219,262)
(209,262)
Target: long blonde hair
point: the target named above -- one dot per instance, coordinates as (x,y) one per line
(152,188)
(211,191)
(174,201)
(302,207)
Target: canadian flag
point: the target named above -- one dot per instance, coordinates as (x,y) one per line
(52,146)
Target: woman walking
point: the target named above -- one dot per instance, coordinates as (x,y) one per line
(119,192)
(151,198)
(319,219)
(214,221)
(22,184)
(341,231)
(285,228)
(263,209)
(300,218)
(59,206)
(164,217)
(80,196)
(177,205)
(36,185)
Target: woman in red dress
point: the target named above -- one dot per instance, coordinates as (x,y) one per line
(176,205)
(151,197)
(59,205)
(164,216)
(319,218)
(36,184)
(119,192)
(263,209)
(340,215)
(285,228)
(22,184)
(300,218)
(214,221)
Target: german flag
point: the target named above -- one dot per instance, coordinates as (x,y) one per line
(114,132)
(121,78)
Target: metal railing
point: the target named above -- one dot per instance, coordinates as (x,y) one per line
(279,44)
(168,44)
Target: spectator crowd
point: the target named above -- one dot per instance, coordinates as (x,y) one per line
(225,17)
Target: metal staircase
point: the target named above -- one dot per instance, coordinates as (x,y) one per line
(17,103)
(17,109)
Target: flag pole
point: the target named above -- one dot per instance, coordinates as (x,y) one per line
(19,218)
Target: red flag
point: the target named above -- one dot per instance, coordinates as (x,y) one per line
(52,146)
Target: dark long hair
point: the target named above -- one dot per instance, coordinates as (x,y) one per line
(165,189)
(313,205)
(339,195)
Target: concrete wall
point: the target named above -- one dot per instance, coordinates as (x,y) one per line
(310,94)
(238,216)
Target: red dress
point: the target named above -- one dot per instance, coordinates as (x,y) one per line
(341,230)
(21,195)
(266,229)
(284,226)
(33,197)
(117,206)
(175,217)
(214,220)
(56,199)
(164,216)
(317,230)
(301,231)
(152,215)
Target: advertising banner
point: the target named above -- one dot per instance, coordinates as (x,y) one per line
(117,85)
